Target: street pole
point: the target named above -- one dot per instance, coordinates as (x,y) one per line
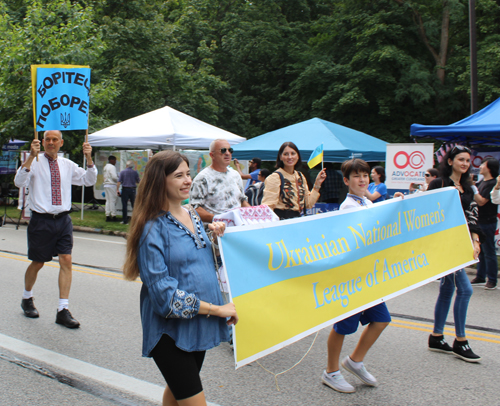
(473,56)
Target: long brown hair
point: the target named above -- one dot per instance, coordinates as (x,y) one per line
(151,200)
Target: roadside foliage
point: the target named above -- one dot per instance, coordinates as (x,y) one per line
(253,67)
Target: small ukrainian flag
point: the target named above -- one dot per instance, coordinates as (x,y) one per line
(316,157)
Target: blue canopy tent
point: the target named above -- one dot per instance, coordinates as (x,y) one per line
(482,127)
(339,142)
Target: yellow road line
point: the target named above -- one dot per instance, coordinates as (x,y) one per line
(409,325)
(450,329)
(471,335)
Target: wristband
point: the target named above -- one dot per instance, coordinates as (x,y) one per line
(210,308)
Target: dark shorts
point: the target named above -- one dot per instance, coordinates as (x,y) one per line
(180,369)
(378,313)
(49,237)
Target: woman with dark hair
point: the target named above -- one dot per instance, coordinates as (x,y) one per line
(168,248)
(430,175)
(377,191)
(455,171)
(286,190)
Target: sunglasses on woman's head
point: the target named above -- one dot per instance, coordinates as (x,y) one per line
(459,148)
(223,150)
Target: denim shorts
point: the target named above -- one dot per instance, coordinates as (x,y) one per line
(378,313)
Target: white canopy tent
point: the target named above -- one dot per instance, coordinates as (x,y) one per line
(161,129)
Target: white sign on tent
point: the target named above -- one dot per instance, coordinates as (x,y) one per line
(407,163)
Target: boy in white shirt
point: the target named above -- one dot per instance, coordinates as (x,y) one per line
(356,174)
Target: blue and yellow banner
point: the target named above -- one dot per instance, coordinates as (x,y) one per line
(291,278)
(61,97)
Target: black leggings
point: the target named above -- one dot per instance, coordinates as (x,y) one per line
(180,369)
(286,214)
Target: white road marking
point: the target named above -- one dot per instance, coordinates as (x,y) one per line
(95,239)
(138,387)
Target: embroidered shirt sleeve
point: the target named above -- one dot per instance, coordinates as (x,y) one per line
(311,196)
(80,176)
(271,190)
(22,177)
(184,305)
(166,298)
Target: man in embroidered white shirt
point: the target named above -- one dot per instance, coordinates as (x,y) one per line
(50,231)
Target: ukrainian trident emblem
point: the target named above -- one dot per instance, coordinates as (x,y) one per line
(65,119)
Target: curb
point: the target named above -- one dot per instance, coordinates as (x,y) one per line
(83,229)
(100,231)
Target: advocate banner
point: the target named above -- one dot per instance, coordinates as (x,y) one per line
(61,97)
(291,278)
(478,156)
(407,163)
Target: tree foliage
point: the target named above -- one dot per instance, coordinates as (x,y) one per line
(254,66)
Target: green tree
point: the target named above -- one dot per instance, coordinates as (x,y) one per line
(488,56)
(140,60)
(49,32)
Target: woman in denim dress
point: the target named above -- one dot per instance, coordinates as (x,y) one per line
(182,310)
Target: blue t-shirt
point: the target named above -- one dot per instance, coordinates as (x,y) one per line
(381,188)
(129,178)
(255,178)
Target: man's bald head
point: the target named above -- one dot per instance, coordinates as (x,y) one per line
(53,132)
(52,142)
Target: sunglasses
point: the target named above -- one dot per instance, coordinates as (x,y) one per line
(427,175)
(459,148)
(224,150)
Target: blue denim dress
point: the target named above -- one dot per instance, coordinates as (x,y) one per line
(177,271)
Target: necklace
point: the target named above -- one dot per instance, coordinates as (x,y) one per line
(455,183)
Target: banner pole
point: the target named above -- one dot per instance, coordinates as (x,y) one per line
(83,189)
(85,159)
(36,137)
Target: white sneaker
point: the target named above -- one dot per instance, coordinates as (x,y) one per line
(337,382)
(360,372)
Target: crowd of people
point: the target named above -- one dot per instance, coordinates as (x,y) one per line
(172,247)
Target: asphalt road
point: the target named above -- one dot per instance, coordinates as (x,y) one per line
(100,364)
